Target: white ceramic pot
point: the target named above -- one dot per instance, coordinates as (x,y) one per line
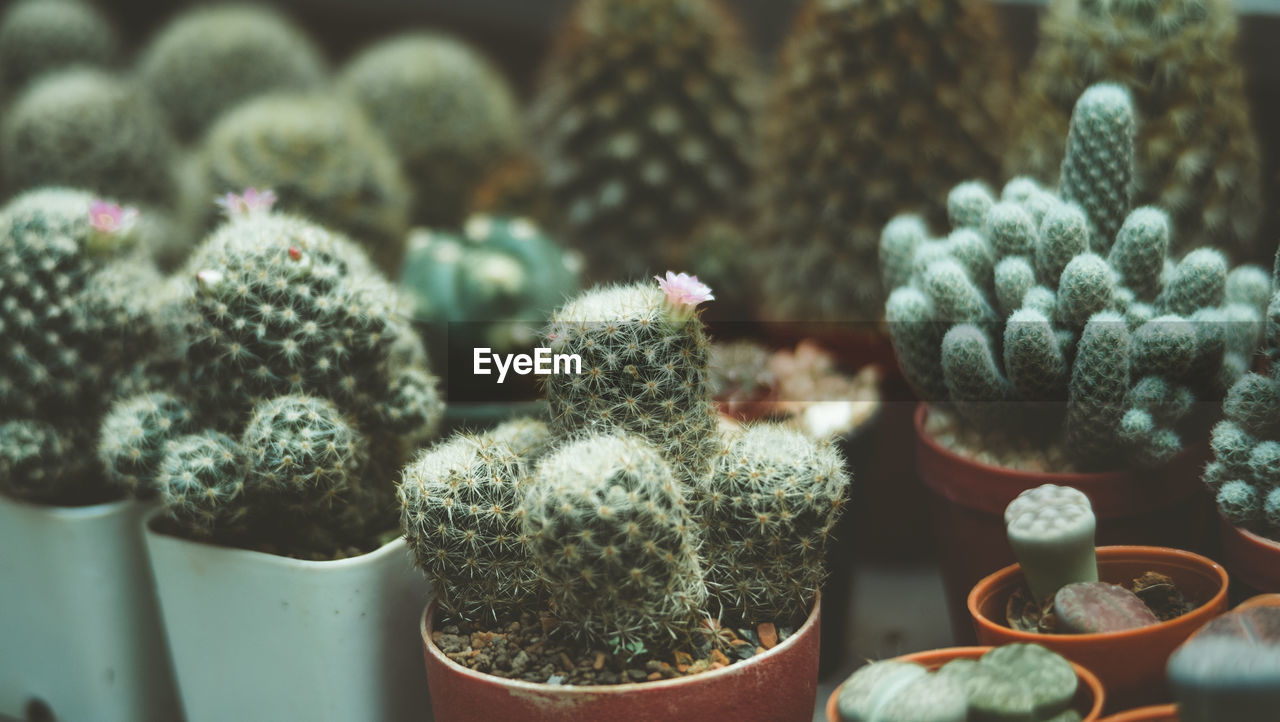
(80,632)
(263,637)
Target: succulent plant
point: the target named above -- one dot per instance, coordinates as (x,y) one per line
(613,543)
(446,111)
(201,483)
(41,36)
(1059,318)
(1051,531)
(209,59)
(1230,669)
(877,107)
(1197,154)
(133,437)
(892,691)
(643,126)
(88,129)
(322,159)
(768,510)
(1098,608)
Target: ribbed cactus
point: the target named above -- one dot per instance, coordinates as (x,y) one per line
(1197,155)
(446,111)
(1059,318)
(876,108)
(209,59)
(643,125)
(614,544)
(40,36)
(644,370)
(88,129)
(322,159)
(768,510)
(496,282)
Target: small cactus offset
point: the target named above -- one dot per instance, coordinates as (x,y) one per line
(1058,319)
(133,438)
(41,36)
(209,59)
(614,544)
(446,111)
(1197,153)
(1051,531)
(643,128)
(768,510)
(201,482)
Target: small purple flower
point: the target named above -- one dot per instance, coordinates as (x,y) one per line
(684,290)
(110,218)
(251,202)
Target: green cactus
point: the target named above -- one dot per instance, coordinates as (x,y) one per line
(322,159)
(44,463)
(1239,503)
(201,481)
(1097,168)
(302,446)
(614,545)
(41,36)
(133,435)
(209,59)
(975,383)
(88,129)
(446,111)
(768,510)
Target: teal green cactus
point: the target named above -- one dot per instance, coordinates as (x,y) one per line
(322,159)
(967,205)
(614,544)
(768,510)
(1064,234)
(496,283)
(133,436)
(975,383)
(1239,503)
(46,464)
(42,36)
(1140,252)
(88,129)
(209,59)
(1097,168)
(1198,281)
(201,483)
(904,234)
(1099,382)
(446,111)
(301,445)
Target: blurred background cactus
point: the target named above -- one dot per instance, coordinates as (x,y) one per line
(643,123)
(1197,154)
(40,36)
(877,108)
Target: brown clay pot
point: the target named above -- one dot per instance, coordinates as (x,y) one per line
(1252,560)
(778,685)
(1158,713)
(1089,700)
(1162,507)
(1130,664)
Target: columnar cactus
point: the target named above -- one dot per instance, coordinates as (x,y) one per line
(322,159)
(1059,318)
(877,107)
(1197,154)
(447,113)
(768,510)
(643,125)
(210,59)
(88,129)
(614,544)
(1051,531)
(40,36)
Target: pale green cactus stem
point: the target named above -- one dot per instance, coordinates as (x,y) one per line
(1097,170)
(1051,529)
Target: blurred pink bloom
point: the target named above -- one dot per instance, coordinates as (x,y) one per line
(684,290)
(110,218)
(250,202)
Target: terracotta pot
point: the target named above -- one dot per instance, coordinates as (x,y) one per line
(1131,663)
(1160,507)
(1252,560)
(1089,700)
(1158,713)
(778,685)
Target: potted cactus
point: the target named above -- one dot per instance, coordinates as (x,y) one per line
(79,326)
(302,386)
(1056,342)
(1086,602)
(626,552)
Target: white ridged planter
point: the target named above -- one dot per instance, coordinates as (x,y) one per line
(80,629)
(265,637)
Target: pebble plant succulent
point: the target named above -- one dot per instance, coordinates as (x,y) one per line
(209,59)
(877,107)
(494,284)
(1058,318)
(40,36)
(643,125)
(322,158)
(1230,669)
(1051,531)
(446,111)
(1197,154)
(87,129)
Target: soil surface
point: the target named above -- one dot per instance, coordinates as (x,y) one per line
(1159,592)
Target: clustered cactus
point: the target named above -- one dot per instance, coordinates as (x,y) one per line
(1059,317)
(877,107)
(1197,154)
(636,523)
(40,36)
(643,126)
(446,112)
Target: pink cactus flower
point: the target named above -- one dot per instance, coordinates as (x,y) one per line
(684,290)
(110,218)
(251,202)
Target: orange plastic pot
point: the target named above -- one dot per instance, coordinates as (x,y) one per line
(1161,507)
(1089,700)
(779,684)
(1131,663)
(1252,560)
(1158,713)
